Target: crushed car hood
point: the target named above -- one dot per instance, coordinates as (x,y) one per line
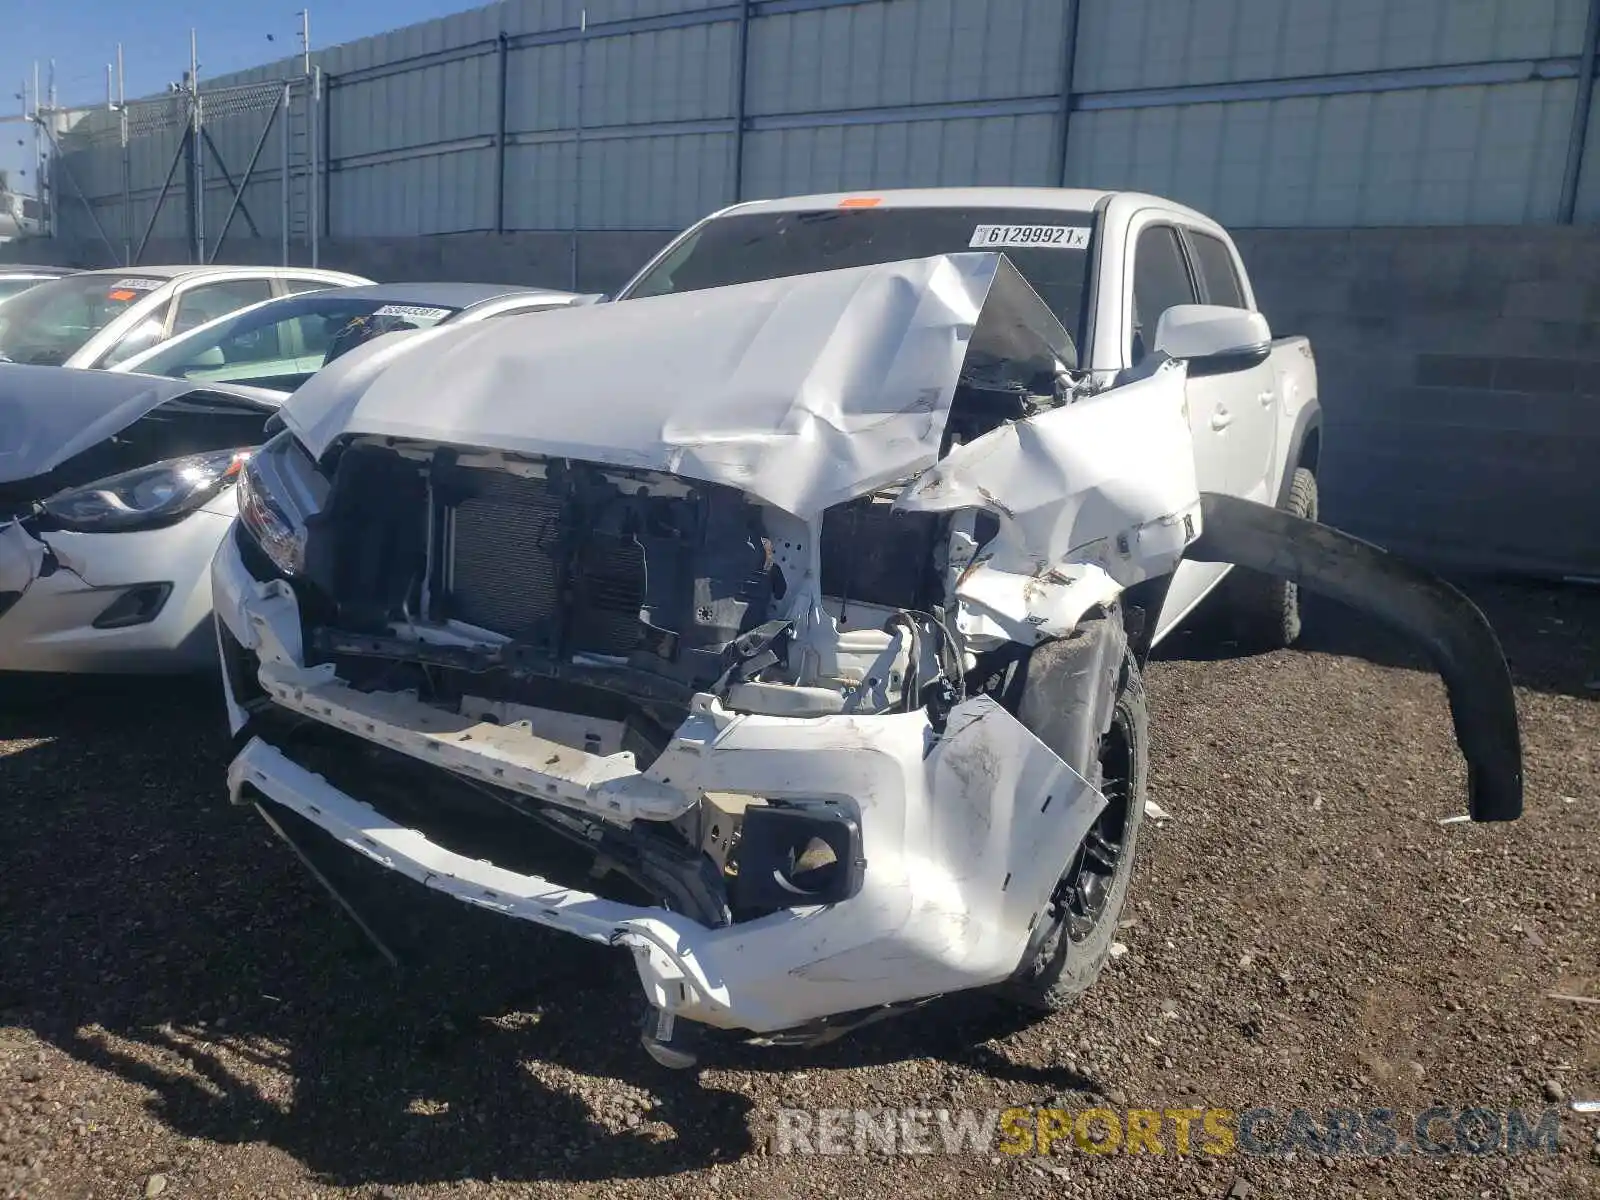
(51,414)
(803,392)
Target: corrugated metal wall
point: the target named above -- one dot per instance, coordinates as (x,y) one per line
(629,114)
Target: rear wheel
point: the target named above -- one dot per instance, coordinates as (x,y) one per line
(1079,924)
(1265,610)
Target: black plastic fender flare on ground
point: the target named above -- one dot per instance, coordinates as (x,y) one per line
(1450,627)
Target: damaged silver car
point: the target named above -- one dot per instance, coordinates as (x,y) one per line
(786,634)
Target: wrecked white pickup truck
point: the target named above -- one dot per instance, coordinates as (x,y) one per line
(782,623)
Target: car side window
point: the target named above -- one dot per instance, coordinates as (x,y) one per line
(1160,281)
(209,301)
(293,285)
(137,340)
(1217,274)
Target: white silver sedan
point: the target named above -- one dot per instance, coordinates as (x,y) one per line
(99,318)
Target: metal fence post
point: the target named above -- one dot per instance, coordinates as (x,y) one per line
(127,184)
(1566,209)
(1069,62)
(741,69)
(283,227)
(577,143)
(314,188)
(504,54)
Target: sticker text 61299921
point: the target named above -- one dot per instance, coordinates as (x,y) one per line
(1042,237)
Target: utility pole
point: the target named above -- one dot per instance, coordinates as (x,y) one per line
(127,163)
(305,41)
(196,162)
(45,206)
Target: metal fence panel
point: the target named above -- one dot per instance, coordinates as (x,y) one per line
(889,54)
(992,150)
(1462,155)
(667,75)
(1158,43)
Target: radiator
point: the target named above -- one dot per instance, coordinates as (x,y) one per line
(503,550)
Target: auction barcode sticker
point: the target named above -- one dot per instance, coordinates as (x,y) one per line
(138,285)
(412,310)
(1050,237)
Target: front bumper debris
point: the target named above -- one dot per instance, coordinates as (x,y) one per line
(964,831)
(1446,624)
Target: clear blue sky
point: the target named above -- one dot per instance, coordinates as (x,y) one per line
(82,36)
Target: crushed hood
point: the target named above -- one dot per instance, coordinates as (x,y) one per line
(802,392)
(51,414)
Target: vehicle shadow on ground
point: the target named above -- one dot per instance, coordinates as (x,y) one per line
(156,933)
(1549,632)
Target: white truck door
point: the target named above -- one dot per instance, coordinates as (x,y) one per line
(1160,280)
(1250,397)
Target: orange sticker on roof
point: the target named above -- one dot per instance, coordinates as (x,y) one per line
(861,202)
(121,294)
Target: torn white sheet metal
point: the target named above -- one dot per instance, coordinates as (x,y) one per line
(803,392)
(51,414)
(966,834)
(21,556)
(1092,498)
(508,756)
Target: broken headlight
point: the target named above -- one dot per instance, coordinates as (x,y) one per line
(278,489)
(146,497)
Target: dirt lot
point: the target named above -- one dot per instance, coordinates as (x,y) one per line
(183,1013)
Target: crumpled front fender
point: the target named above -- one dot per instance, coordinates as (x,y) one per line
(1449,627)
(1091,498)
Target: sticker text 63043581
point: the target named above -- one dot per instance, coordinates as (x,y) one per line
(420,311)
(1043,237)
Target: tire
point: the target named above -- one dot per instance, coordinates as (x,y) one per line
(1075,947)
(1266,611)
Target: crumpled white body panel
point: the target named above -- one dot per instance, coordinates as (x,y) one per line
(965,834)
(803,392)
(1092,498)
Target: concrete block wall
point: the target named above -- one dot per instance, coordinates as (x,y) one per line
(1460,377)
(1459,367)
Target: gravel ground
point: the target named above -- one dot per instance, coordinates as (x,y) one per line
(183,1013)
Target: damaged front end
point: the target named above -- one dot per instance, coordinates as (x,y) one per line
(88,454)
(730,691)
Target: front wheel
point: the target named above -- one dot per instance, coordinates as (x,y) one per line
(1266,610)
(1080,922)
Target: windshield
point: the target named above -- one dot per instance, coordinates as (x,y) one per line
(49,323)
(1049,248)
(20,283)
(281,344)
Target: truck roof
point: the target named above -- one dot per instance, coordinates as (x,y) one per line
(1060,199)
(1067,199)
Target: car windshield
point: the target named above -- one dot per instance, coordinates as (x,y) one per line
(18,283)
(283,343)
(49,323)
(1049,247)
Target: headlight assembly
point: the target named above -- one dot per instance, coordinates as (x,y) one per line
(149,496)
(279,488)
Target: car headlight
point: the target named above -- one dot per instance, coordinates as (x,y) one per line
(148,496)
(278,489)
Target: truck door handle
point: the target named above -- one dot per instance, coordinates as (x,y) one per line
(1267,398)
(1220,418)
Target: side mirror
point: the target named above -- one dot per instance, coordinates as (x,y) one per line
(1214,339)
